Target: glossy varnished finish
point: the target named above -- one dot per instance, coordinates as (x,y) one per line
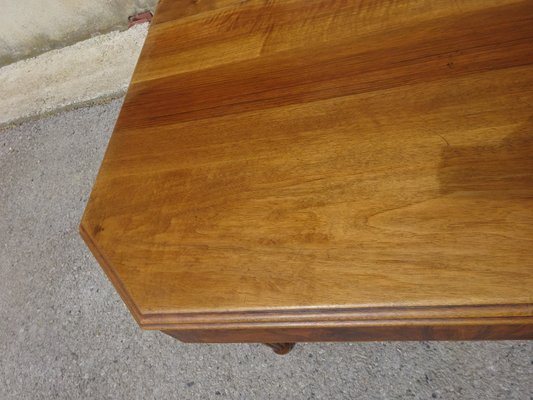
(307,170)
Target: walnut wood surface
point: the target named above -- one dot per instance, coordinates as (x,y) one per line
(325,170)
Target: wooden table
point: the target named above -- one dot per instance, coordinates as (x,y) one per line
(320,170)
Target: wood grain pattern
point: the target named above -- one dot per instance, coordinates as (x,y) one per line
(325,170)
(426,330)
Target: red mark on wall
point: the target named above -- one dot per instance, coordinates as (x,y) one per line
(141,18)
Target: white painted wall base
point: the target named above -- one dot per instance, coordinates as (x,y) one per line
(31,27)
(89,71)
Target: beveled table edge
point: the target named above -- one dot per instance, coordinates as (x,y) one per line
(309,318)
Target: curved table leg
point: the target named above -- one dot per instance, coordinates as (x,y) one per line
(281,348)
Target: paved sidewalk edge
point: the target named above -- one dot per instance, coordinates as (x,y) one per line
(94,71)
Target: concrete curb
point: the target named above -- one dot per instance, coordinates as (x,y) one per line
(88,72)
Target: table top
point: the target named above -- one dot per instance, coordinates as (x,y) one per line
(318,161)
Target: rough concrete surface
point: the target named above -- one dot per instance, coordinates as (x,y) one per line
(96,68)
(31,27)
(64,332)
